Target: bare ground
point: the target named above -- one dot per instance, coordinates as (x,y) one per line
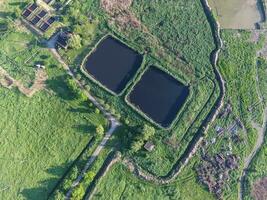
(120,13)
(259,191)
(38,84)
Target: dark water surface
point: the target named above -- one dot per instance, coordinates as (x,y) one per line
(159,96)
(113,64)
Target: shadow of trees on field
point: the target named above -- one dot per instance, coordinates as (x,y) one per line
(84,128)
(79,110)
(5,14)
(59,86)
(47,186)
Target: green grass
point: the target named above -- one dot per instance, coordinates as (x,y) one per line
(123,185)
(40,136)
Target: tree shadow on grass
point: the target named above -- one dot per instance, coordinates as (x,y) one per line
(47,186)
(83,128)
(80,110)
(59,86)
(5,14)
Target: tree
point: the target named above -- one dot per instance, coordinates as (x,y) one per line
(75,41)
(74,173)
(78,193)
(17,12)
(126,121)
(147,132)
(67,184)
(100,130)
(97,111)
(87,87)
(89,177)
(59,196)
(137,145)
(144,134)
(78,77)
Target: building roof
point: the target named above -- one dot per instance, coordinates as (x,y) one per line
(149,146)
(63,39)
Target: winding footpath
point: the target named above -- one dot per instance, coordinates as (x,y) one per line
(113,123)
(261,129)
(260,140)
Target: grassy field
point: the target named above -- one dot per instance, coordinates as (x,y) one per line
(40,136)
(129,187)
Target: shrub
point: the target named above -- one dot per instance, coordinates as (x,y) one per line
(58,196)
(112,111)
(97,111)
(87,87)
(101,101)
(126,121)
(75,42)
(83,82)
(118,115)
(67,184)
(100,130)
(89,177)
(78,77)
(81,95)
(78,193)
(107,107)
(74,173)
(144,134)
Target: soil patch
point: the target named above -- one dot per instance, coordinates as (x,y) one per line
(39,83)
(237,14)
(259,190)
(119,12)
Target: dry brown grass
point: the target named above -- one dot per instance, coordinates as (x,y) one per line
(259,190)
(119,12)
(39,83)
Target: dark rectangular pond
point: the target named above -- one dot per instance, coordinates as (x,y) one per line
(113,64)
(159,96)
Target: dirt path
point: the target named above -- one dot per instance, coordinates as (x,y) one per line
(112,120)
(260,140)
(261,129)
(39,83)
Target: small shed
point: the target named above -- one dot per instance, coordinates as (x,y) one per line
(149,146)
(63,39)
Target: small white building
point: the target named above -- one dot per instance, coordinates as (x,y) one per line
(149,146)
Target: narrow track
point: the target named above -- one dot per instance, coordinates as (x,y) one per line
(51,44)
